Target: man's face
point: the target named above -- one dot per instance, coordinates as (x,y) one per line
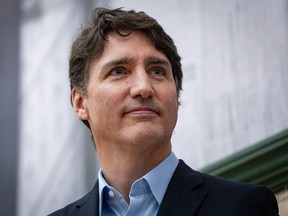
(131,99)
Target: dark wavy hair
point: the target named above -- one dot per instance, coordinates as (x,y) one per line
(89,44)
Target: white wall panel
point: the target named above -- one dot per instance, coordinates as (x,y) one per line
(54,145)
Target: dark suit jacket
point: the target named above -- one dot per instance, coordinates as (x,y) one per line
(192,193)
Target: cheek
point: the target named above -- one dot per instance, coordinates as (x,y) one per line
(173,109)
(170,104)
(173,100)
(105,103)
(174,105)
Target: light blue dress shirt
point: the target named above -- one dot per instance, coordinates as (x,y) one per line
(146,193)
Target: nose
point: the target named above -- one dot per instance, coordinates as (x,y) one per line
(141,85)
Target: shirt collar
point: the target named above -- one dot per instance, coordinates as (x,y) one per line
(158,179)
(102,185)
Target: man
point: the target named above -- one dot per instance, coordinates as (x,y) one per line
(126,77)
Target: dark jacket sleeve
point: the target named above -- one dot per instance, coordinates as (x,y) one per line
(257,201)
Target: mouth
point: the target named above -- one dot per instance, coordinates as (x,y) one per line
(142,111)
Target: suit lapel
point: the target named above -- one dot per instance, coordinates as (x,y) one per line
(89,205)
(182,197)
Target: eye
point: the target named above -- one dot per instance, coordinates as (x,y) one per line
(118,71)
(158,71)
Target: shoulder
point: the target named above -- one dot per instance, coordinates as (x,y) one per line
(237,197)
(207,182)
(211,183)
(86,203)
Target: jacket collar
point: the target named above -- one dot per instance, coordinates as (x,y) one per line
(182,197)
(89,204)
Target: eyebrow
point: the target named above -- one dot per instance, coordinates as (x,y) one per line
(157,60)
(126,60)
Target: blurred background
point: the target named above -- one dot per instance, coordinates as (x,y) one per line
(235,63)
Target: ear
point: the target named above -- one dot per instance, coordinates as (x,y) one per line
(79,104)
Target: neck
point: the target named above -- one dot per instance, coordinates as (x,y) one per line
(121,170)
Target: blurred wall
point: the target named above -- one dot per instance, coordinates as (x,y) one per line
(57,160)
(235,88)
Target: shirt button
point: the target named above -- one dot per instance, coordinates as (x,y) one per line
(111,193)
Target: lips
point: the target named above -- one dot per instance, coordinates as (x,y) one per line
(141,111)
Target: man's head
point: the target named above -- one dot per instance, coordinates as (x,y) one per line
(91,41)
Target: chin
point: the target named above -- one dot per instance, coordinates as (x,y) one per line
(145,136)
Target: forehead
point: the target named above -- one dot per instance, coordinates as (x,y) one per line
(136,44)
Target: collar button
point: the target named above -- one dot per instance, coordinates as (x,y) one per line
(111,193)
